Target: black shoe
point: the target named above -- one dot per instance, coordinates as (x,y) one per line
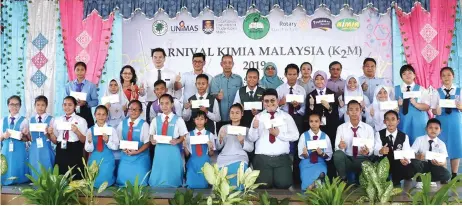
(444,182)
(454,175)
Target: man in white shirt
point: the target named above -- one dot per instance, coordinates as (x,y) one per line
(431,143)
(272,130)
(347,157)
(369,81)
(187,80)
(159,73)
(389,140)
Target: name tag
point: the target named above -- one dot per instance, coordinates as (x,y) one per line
(236,130)
(102,130)
(201,139)
(110,99)
(39,142)
(162,139)
(448,103)
(79,95)
(14,134)
(37,127)
(357,98)
(295,97)
(315,144)
(435,156)
(404,154)
(11,146)
(64,144)
(328,98)
(198,103)
(130,145)
(252,105)
(412,94)
(388,105)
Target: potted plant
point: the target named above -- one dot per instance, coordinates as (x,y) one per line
(135,194)
(266,199)
(186,198)
(329,193)
(86,186)
(440,197)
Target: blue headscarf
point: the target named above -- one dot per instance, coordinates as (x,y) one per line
(270,82)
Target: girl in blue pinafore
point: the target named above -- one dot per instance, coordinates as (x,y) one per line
(313,165)
(134,163)
(40,150)
(101,148)
(451,118)
(167,166)
(413,121)
(200,153)
(14,150)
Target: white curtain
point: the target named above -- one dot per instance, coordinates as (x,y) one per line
(43,22)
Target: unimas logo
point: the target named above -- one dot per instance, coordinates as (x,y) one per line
(183,27)
(256,26)
(159,27)
(347,24)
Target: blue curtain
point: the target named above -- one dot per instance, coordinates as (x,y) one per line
(13,66)
(150,7)
(455,60)
(61,77)
(398,51)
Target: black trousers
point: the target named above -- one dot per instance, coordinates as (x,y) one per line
(438,173)
(70,157)
(85,112)
(400,172)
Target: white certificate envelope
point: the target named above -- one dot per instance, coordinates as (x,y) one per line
(200,139)
(315,144)
(236,130)
(110,99)
(412,94)
(14,134)
(404,154)
(102,130)
(252,105)
(435,156)
(328,97)
(37,127)
(79,95)
(131,145)
(295,97)
(63,125)
(447,103)
(270,123)
(162,139)
(198,103)
(388,105)
(361,142)
(357,98)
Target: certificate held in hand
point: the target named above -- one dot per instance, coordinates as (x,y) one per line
(14,134)
(130,145)
(79,95)
(315,144)
(37,127)
(162,139)
(252,105)
(435,156)
(64,125)
(200,139)
(110,99)
(103,130)
(448,103)
(295,97)
(388,105)
(328,98)
(236,130)
(404,154)
(198,103)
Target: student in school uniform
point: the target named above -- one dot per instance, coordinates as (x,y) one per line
(83,108)
(13,149)
(352,88)
(105,145)
(389,140)
(270,79)
(313,162)
(41,151)
(69,143)
(153,108)
(187,82)
(413,111)
(212,112)
(134,163)
(250,93)
(375,115)
(199,153)
(234,148)
(167,166)
(431,142)
(451,119)
(348,158)
(116,110)
(272,144)
(305,80)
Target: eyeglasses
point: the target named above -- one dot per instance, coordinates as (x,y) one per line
(134,110)
(14,105)
(272,101)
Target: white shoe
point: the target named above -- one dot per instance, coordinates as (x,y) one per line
(433,184)
(419,185)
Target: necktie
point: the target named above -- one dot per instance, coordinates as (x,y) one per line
(390,139)
(448,96)
(165,126)
(272,138)
(79,87)
(355,148)
(12,122)
(406,102)
(199,147)
(66,133)
(321,92)
(130,131)
(159,74)
(99,145)
(430,142)
(291,107)
(201,98)
(40,119)
(314,154)
(251,94)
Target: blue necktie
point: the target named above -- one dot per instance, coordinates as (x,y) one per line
(79,87)
(12,122)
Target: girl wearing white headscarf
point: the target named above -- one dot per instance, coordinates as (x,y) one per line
(116,110)
(352,89)
(374,116)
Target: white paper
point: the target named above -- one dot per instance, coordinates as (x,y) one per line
(110,99)
(252,105)
(435,156)
(200,139)
(361,142)
(236,130)
(161,139)
(328,97)
(270,123)
(403,154)
(79,95)
(101,130)
(295,97)
(411,94)
(11,147)
(198,103)
(448,103)
(315,144)
(131,145)
(388,105)
(63,125)
(357,98)
(37,127)
(14,134)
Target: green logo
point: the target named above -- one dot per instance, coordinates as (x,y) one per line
(256,26)
(347,24)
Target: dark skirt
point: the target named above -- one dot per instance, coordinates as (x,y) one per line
(69,157)
(85,112)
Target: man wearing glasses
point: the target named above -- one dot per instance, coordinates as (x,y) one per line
(188,80)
